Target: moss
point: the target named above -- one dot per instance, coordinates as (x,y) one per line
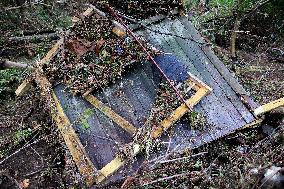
(84,118)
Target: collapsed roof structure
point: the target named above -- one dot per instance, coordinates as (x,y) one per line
(119,88)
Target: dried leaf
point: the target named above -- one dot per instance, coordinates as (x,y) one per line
(25,183)
(98,46)
(79,46)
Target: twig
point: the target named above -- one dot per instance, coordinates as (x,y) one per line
(20,149)
(183,158)
(162,33)
(167,178)
(254,9)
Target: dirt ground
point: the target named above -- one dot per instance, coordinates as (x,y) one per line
(33,155)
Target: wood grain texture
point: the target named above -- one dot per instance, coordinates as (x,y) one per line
(84,164)
(269,106)
(112,115)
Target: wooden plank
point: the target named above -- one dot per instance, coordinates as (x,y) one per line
(269,106)
(227,81)
(109,169)
(115,164)
(23,88)
(212,106)
(179,112)
(119,102)
(214,59)
(253,124)
(84,164)
(25,85)
(112,115)
(221,88)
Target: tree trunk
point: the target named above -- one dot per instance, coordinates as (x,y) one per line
(235,30)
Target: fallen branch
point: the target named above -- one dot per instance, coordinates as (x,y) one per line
(33,38)
(183,158)
(28,144)
(6,64)
(25,5)
(168,178)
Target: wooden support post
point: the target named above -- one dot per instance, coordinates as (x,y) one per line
(73,143)
(120,121)
(268,107)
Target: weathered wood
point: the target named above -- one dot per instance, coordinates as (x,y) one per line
(25,85)
(269,106)
(179,112)
(217,114)
(6,64)
(23,88)
(73,143)
(112,115)
(208,70)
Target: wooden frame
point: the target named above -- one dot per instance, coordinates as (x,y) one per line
(120,121)
(201,90)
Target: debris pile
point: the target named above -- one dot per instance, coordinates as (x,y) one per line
(93,56)
(144,9)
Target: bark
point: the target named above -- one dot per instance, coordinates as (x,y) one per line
(6,64)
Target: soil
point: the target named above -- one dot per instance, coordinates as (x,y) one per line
(31,148)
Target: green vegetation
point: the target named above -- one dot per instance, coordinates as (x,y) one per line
(37,16)
(84,118)
(21,134)
(8,82)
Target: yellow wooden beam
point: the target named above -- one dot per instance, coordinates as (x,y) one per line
(109,169)
(72,141)
(26,84)
(253,124)
(268,107)
(179,112)
(111,114)
(114,165)
(23,88)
